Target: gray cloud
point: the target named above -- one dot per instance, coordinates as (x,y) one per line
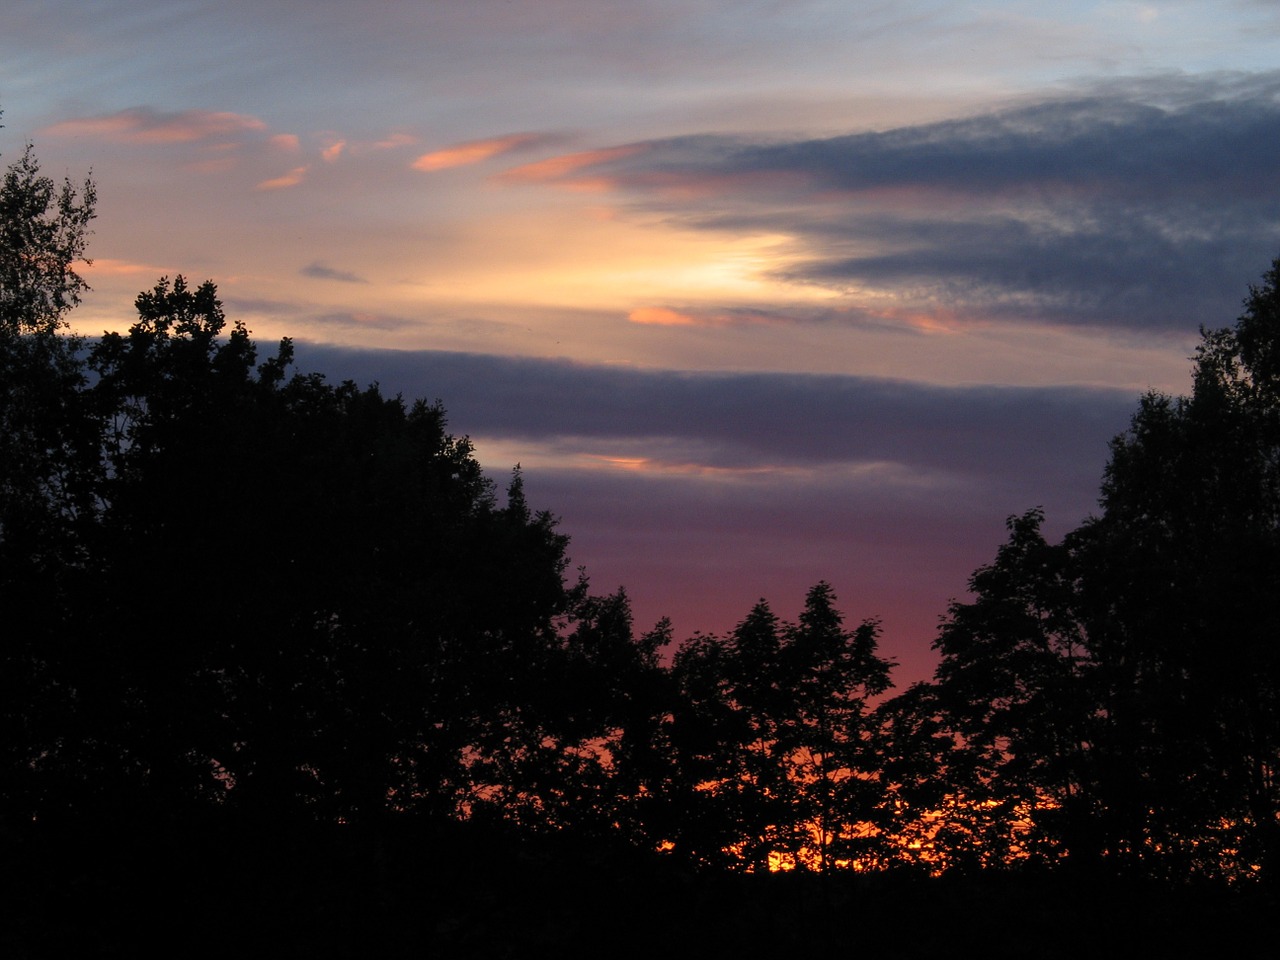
(319,271)
(359,321)
(979,436)
(1141,205)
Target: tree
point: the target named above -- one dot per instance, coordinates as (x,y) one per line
(1182,581)
(735,797)
(295,600)
(832,674)
(773,734)
(43,232)
(48,454)
(1014,688)
(1123,686)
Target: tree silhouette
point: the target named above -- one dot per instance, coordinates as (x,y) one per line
(736,797)
(1016,687)
(49,466)
(832,674)
(1122,688)
(294,600)
(1182,577)
(774,735)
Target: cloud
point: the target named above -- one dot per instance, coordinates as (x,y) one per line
(477,151)
(283,182)
(1142,205)
(147,126)
(660,316)
(319,271)
(394,141)
(565,169)
(361,320)
(753,421)
(260,305)
(108,267)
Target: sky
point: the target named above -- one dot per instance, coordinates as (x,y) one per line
(757,293)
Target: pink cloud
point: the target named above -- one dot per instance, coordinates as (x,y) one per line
(474,151)
(334,150)
(107,267)
(563,169)
(661,316)
(285,141)
(213,165)
(395,140)
(290,179)
(144,125)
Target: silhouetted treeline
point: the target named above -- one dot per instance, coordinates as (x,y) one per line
(254,619)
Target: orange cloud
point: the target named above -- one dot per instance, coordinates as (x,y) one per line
(107,267)
(285,141)
(661,316)
(333,151)
(689,468)
(929,320)
(473,151)
(141,125)
(395,140)
(214,165)
(562,168)
(290,179)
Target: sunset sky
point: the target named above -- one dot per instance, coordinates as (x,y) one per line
(757,293)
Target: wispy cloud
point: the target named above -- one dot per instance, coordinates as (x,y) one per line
(360,320)
(394,141)
(284,181)
(661,316)
(477,151)
(148,126)
(320,271)
(568,169)
(109,267)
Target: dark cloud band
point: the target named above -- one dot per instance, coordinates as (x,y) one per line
(750,420)
(1146,206)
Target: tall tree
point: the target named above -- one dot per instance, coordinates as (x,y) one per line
(48,462)
(1123,687)
(1014,687)
(1183,576)
(736,795)
(775,735)
(833,675)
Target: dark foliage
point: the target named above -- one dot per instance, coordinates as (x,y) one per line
(1113,701)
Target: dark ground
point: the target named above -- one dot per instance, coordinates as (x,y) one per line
(459,894)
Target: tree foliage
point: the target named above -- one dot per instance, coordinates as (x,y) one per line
(1181,576)
(1120,691)
(295,597)
(775,736)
